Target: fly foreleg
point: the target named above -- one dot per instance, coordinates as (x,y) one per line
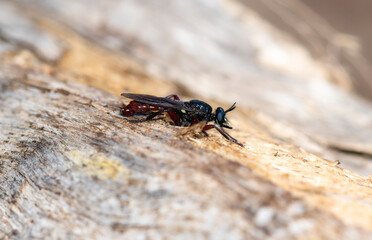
(223,133)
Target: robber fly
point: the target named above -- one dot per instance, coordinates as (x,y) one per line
(182,113)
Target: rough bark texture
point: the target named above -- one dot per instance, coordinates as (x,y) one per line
(72,168)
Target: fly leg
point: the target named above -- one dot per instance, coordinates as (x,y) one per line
(174,97)
(207,127)
(223,133)
(148,118)
(174,116)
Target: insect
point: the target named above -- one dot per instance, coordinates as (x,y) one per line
(182,113)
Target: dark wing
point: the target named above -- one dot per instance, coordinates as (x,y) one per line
(157,101)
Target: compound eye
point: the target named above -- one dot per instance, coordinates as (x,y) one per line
(220,115)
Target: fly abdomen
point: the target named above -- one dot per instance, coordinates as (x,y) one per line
(136,107)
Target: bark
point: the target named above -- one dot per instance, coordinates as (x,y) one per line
(72,168)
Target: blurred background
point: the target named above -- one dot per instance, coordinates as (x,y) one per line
(339,31)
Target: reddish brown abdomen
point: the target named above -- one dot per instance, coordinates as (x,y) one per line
(135,107)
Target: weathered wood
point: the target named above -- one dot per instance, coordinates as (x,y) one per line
(71,168)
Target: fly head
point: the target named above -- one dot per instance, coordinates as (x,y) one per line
(220,116)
